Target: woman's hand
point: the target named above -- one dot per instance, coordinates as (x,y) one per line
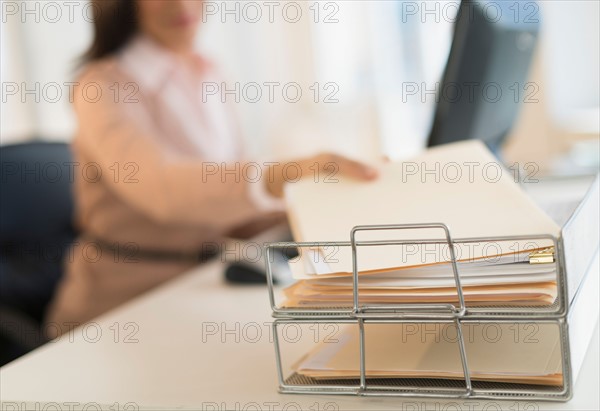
(325,165)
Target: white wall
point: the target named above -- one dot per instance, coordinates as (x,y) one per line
(43,40)
(572,62)
(369,49)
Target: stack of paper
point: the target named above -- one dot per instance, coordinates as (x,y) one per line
(529,353)
(461,185)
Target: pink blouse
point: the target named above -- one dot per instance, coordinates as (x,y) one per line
(162,166)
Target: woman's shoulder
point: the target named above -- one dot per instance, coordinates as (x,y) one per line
(102,71)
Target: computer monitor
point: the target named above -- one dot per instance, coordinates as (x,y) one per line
(485,80)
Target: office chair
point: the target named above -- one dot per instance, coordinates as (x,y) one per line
(35,232)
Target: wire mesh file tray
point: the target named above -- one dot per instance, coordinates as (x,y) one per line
(361,315)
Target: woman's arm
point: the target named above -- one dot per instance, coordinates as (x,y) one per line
(166,188)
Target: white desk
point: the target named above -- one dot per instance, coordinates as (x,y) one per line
(171,367)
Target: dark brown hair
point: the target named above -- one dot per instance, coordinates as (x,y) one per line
(115,23)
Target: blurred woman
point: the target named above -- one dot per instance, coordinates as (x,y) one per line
(160,179)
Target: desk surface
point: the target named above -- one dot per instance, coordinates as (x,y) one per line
(178,347)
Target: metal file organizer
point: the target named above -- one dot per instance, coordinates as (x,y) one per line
(361,314)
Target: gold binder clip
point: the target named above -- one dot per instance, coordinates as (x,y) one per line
(544,256)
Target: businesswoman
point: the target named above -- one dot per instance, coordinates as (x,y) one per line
(152,187)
